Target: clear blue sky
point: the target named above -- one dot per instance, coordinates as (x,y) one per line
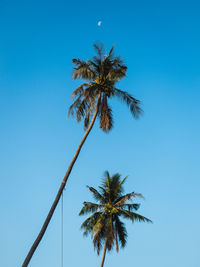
(160,42)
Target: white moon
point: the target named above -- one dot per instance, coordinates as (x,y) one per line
(99,23)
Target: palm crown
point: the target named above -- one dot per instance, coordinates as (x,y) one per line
(101,73)
(105,224)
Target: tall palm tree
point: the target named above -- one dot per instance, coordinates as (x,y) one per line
(104,224)
(91,100)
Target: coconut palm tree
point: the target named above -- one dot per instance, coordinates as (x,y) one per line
(105,225)
(91,101)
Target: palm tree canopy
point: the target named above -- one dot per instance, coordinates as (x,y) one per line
(112,205)
(101,75)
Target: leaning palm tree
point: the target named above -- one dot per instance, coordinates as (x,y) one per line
(91,101)
(105,225)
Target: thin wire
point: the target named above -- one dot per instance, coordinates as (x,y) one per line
(62,230)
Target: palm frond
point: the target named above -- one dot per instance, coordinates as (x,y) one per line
(98,225)
(82,70)
(132,103)
(92,91)
(79,90)
(117,74)
(96,194)
(106,181)
(98,239)
(82,109)
(110,233)
(95,66)
(122,182)
(87,121)
(90,111)
(121,231)
(117,62)
(104,193)
(89,223)
(100,50)
(89,207)
(133,216)
(115,188)
(111,52)
(130,207)
(106,120)
(74,106)
(116,240)
(123,199)
(106,177)
(99,233)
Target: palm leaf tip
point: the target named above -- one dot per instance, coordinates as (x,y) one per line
(136,110)
(139,195)
(111,51)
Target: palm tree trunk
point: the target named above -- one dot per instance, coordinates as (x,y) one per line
(104,253)
(62,186)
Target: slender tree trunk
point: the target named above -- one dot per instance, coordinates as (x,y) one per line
(62,186)
(104,253)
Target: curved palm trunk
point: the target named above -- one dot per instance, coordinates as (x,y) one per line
(104,253)
(62,186)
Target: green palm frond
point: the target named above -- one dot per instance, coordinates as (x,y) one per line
(121,231)
(106,181)
(122,182)
(96,194)
(90,207)
(116,239)
(98,232)
(104,193)
(110,233)
(89,223)
(99,238)
(123,199)
(130,207)
(115,187)
(98,225)
(133,216)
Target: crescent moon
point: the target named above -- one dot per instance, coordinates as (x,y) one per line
(99,23)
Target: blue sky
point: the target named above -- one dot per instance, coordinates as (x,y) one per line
(159,41)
